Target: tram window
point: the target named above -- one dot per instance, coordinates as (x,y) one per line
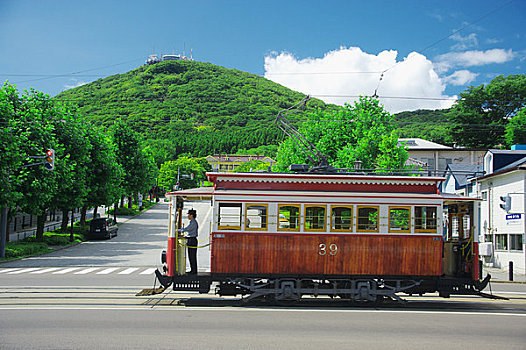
(466,225)
(256,216)
(315,218)
(341,218)
(454,227)
(367,218)
(289,217)
(501,242)
(399,219)
(425,219)
(229,216)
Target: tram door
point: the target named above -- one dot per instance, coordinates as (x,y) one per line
(458,254)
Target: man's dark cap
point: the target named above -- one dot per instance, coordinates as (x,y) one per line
(192,212)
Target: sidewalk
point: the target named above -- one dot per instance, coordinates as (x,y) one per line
(501,275)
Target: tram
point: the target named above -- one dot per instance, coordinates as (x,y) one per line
(356,236)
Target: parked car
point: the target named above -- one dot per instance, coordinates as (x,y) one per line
(102,228)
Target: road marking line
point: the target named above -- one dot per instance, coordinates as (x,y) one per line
(9,270)
(107,271)
(83,272)
(46,270)
(23,271)
(148,271)
(128,271)
(61,272)
(194,309)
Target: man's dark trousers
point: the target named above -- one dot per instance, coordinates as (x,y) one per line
(192,254)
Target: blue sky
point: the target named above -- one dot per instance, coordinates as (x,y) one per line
(272,37)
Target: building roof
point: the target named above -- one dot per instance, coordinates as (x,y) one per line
(463,172)
(236,158)
(517,165)
(417,143)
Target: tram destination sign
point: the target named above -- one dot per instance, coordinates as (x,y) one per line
(513,219)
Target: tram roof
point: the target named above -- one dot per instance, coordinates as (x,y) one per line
(206,193)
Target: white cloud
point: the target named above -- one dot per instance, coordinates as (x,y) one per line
(461,77)
(493,41)
(74,83)
(414,76)
(464,42)
(472,58)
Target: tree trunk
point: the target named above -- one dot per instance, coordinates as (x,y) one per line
(95,212)
(83,215)
(115,207)
(41,221)
(130,202)
(122,201)
(65,219)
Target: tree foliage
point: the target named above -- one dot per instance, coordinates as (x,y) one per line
(251,166)
(480,117)
(182,166)
(194,108)
(516,128)
(362,132)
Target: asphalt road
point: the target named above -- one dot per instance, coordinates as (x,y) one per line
(83,297)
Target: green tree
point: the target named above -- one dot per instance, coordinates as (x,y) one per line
(480,117)
(361,132)
(36,114)
(516,129)
(104,175)
(71,171)
(253,165)
(185,166)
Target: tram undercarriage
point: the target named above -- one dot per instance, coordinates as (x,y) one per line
(293,288)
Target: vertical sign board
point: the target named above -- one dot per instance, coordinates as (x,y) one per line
(513,219)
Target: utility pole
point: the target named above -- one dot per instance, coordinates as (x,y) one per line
(3,231)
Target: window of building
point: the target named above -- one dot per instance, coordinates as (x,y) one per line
(425,219)
(368,218)
(516,242)
(501,242)
(289,217)
(466,225)
(341,218)
(256,216)
(315,217)
(484,195)
(399,219)
(229,216)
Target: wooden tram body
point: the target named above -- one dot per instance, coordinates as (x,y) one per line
(282,236)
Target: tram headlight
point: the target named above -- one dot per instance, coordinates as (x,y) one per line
(163,257)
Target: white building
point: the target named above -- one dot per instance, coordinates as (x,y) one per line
(505,176)
(437,156)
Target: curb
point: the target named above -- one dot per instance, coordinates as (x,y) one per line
(508,282)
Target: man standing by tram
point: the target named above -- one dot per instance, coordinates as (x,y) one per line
(191,240)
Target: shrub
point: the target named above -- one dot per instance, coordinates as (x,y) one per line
(21,249)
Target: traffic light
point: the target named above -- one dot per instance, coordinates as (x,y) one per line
(506,202)
(49,160)
(191,176)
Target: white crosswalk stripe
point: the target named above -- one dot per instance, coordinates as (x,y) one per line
(78,270)
(46,270)
(107,271)
(85,271)
(61,272)
(23,271)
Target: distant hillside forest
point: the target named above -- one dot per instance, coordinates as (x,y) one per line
(431,125)
(190,108)
(193,109)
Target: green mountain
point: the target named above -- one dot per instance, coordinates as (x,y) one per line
(427,124)
(185,107)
